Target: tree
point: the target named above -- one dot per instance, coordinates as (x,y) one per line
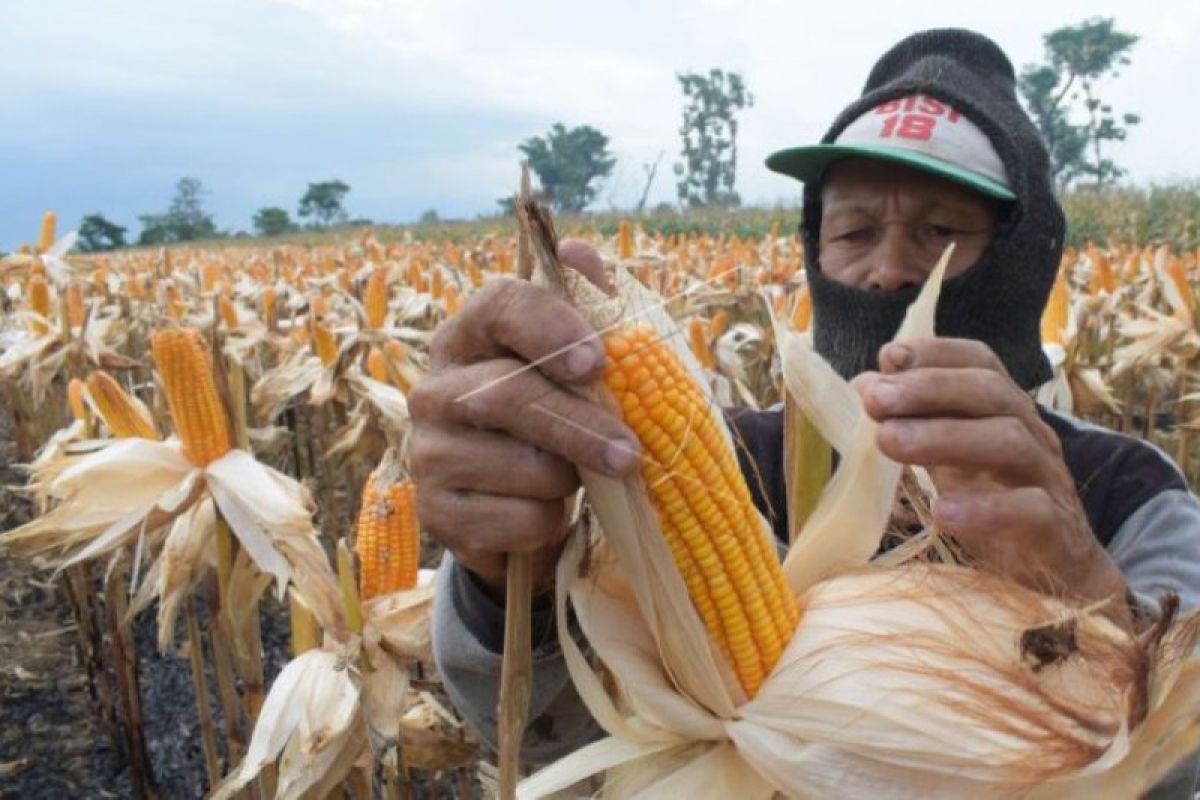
(184,220)
(323,202)
(709,132)
(1077,58)
(97,234)
(272,221)
(566,163)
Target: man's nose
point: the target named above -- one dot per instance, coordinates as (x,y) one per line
(895,263)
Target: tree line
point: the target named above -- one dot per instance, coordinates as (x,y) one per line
(1063,95)
(185,219)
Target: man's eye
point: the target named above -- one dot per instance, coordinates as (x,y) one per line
(854,235)
(940,231)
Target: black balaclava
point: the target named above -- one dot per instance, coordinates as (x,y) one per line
(999,300)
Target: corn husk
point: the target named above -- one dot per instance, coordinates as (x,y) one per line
(911,680)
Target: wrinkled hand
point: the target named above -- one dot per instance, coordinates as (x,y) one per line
(1004,491)
(494,442)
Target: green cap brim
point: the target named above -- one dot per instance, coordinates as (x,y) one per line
(809,163)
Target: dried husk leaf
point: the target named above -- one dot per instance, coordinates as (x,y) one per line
(928,680)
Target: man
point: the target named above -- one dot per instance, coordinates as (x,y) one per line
(936,150)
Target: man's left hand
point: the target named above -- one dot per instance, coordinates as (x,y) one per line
(1004,492)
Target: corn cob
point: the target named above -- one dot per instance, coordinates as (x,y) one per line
(703,505)
(474,274)
(47,236)
(75,400)
(388,541)
(398,353)
(416,276)
(39,302)
(452,299)
(438,284)
(718,325)
(375,299)
(209,275)
(802,310)
(324,342)
(377,365)
(624,241)
(120,413)
(227,311)
(1054,317)
(269,297)
(174,300)
(698,341)
(186,368)
(76,307)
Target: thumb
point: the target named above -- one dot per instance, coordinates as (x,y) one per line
(580,256)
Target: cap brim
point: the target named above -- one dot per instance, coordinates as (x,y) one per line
(809,163)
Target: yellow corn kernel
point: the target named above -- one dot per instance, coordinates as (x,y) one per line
(38,292)
(75,400)
(324,342)
(703,505)
(186,369)
(375,299)
(125,417)
(48,233)
(388,539)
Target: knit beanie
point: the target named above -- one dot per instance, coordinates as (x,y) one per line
(999,300)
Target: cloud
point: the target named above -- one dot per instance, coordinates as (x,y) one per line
(424,103)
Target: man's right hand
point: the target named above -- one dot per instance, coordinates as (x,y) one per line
(495,441)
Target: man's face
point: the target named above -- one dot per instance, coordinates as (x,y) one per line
(884,225)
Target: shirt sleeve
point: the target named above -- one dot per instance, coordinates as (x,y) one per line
(468,640)
(1157,549)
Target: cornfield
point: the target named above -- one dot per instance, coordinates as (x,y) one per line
(226,426)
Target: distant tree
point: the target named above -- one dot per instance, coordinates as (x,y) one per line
(184,220)
(1077,57)
(709,132)
(429,217)
(97,234)
(567,162)
(272,221)
(323,202)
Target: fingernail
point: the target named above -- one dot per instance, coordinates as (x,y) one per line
(620,455)
(581,359)
(885,392)
(900,355)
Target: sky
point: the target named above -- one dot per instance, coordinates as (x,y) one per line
(420,104)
